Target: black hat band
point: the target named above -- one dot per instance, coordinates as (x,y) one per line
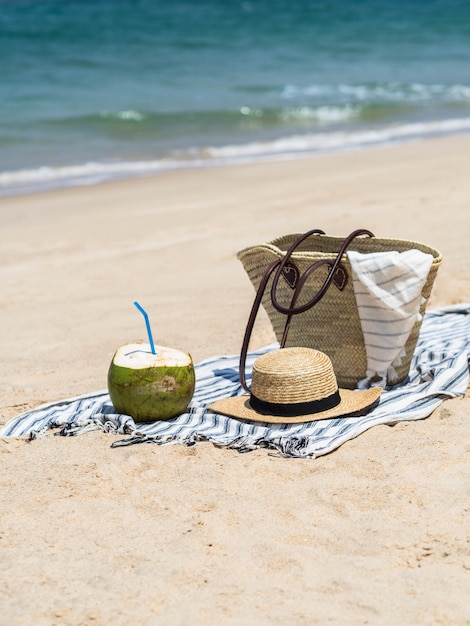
(295,408)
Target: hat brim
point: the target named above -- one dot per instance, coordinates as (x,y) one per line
(353,404)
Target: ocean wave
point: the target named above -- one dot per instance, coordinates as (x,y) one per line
(132,116)
(42,178)
(324,113)
(85,172)
(322,142)
(329,105)
(412,93)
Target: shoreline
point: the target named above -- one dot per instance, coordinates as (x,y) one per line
(205,535)
(45,178)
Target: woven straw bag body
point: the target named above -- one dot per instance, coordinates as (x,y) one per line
(332,325)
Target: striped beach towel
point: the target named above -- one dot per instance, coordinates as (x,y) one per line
(439,370)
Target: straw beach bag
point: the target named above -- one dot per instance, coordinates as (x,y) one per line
(359,299)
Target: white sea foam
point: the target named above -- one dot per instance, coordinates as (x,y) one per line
(326,114)
(128,116)
(322,113)
(42,178)
(320,142)
(381,92)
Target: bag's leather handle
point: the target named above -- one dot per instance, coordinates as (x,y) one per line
(291,310)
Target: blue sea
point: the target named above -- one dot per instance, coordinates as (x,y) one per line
(92,90)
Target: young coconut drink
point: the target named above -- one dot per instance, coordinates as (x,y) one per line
(151,382)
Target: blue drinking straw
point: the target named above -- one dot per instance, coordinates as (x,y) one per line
(147,323)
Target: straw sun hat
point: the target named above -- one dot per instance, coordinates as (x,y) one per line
(293,385)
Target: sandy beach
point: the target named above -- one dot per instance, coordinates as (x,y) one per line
(377,532)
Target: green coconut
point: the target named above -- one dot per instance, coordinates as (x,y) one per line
(148,386)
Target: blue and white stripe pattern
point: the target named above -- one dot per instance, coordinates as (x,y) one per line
(439,370)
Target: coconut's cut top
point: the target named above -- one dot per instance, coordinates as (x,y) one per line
(139,356)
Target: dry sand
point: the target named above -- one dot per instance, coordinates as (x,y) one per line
(378,532)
